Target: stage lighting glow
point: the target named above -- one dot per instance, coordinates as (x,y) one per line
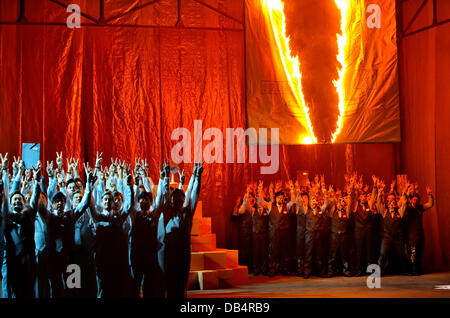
(273,10)
(307,140)
(344,6)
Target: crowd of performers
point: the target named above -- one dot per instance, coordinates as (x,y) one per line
(305,230)
(129,236)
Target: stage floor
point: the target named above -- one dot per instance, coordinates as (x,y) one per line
(425,286)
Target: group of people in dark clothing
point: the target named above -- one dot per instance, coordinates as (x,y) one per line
(127,236)
(314,230)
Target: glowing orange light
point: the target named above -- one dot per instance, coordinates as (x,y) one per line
(343,6)
(274,10)
(307,140)
(291,65)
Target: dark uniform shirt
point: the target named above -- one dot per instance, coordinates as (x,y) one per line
(340,224)
(316,221)
(260,220)
(363,217)
(414,219)
(392,224)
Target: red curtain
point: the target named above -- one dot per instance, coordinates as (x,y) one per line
(122,90)
(425,95)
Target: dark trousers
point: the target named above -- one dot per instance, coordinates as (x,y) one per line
(259,252)
(114,277)
(175,280)
(316,242)
(151,279)
(339,255)
(392,248)
(300,250)
(42,285)
(57,274)
(85,259)
(285,251)
(364,244)
(274,250)
(415,246)
(19,276)
(245,248)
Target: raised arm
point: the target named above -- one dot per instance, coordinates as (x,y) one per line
(374,193)
(292,201)
(2,199)
(36,192)
(17,178)
(430,202)
(325,196)
(128,206)
(350,201)
(163,185)
(188,193)
(182,179)
(264,203)
(196,187)
(84,204)
(380,203)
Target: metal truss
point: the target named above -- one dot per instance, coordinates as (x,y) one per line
(405,32)
(100,21)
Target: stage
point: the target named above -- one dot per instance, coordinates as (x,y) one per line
(425,286)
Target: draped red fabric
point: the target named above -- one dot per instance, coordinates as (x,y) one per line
(123,89)
(425,148)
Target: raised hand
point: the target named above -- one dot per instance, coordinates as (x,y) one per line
(98,160)
(128,179)
(50,171)
(21,165)
(136,178)
(200,169)
(75,165)
(145,164)
(182,177)
(69,164)
(112,167)
(162,172)
(429,190)
(59,160)
(291,185)
(91,178)
(4,161)
(330,189)
(15,164)
(87,169)
(167,168)
(392,186)
(137,164)
(37,172)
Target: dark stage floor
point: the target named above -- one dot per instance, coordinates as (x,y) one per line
(425,286)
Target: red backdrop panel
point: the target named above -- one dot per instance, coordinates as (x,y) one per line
(122,90)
